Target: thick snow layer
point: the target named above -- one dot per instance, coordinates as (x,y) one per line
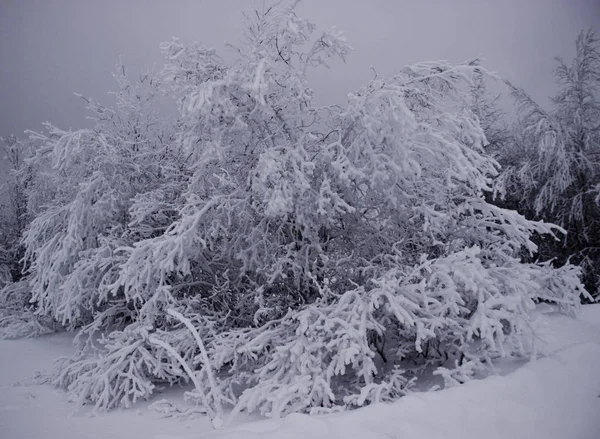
(556,396)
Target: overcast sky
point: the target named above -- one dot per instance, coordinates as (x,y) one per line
(50,49)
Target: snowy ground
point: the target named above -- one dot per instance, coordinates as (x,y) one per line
(557,396)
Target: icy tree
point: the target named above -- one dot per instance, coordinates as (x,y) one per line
(557,175)
(280,256)
(17,317)
(14,216)
(95,202)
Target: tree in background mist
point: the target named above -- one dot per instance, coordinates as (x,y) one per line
(552,169)
(13,215)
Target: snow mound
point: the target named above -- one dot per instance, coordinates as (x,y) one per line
(555,396)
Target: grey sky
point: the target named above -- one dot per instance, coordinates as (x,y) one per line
(52,48)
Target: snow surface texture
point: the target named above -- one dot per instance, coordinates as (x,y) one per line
(556,396)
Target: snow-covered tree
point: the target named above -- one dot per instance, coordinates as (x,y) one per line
(13,204)
(17,317)
(557,177)
(96,191)
(280,256)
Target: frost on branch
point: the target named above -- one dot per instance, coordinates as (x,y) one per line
(318,259)
(124,371)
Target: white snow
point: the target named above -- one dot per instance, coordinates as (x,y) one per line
(556,396)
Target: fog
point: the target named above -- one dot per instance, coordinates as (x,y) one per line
(51,49)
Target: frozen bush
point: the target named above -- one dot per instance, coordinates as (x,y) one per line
(325,256)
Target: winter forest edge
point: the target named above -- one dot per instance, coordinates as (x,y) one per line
(283,257)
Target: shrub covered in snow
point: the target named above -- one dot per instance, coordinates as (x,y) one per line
(280,256)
